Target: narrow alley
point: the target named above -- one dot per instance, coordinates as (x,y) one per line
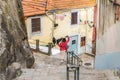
(35,36)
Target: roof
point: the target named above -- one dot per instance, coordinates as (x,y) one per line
(36,7)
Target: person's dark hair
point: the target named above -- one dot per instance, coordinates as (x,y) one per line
(63,40)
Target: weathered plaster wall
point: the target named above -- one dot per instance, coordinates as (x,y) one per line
(108,49)
(14,47)
(108,37)
(109,42)
(107,29)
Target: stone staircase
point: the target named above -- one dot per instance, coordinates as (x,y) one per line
(86,74)
(50,68)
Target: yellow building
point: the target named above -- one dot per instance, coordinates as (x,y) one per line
(76,22)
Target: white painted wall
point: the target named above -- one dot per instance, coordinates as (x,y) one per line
(110,41)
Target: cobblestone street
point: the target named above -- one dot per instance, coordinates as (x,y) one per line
(50,68)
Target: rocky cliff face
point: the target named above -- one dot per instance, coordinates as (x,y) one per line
(14,46)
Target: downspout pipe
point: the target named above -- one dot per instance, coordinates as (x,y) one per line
(97,29)
(86,30)
(52,31)
(97,23)
(53,22)
(49,17)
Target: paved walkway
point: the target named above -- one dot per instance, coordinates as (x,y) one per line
(50,68)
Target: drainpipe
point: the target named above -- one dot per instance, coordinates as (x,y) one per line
(94,32)
(53,22)
(86,29)
(97,27)
(53,28)
(49,17)
(97,22)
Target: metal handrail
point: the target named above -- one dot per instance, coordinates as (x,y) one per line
(73,60)
(73,64)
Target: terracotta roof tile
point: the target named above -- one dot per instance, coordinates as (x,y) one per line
(35,7)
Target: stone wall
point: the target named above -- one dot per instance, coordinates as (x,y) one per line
(14,45)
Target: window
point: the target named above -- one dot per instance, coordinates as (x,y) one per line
(36,25)
(83,39)
(74,18)
(73,42)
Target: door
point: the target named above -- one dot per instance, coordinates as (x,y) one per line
(73,44)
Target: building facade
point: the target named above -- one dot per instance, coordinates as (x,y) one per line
(75,21)
(108,35)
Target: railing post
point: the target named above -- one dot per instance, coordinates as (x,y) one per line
(67,57)
(49,48)
(72,58)
(75,75)
(37,45)
(67,73)
(78,73)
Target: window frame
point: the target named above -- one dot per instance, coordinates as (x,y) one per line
(78,16)
(83,41)
(37,32)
